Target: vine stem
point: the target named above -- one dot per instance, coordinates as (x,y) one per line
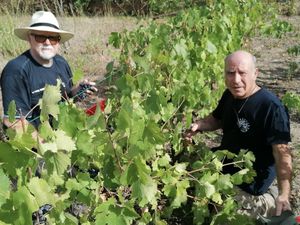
(162,127)
(23,117)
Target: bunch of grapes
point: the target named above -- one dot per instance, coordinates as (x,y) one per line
(82,90)
(38,217)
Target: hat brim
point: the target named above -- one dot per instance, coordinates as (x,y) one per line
(22,32)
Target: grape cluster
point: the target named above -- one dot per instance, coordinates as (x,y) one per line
(83,87)
(38,217)
(78,209)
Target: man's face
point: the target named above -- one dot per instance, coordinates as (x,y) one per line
(44,45)
(240,75)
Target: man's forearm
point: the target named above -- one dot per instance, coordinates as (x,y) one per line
(208,123)
(283,162)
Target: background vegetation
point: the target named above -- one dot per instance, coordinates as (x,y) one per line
(119,7)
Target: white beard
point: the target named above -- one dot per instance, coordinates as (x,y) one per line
(46,52)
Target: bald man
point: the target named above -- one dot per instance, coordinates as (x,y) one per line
(253,118)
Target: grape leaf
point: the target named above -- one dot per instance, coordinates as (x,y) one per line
(41,191)
(57,162)
(61,142)
(4,187)
(49,102)
(84,143)
(145,192)
(12,109)
(25,204)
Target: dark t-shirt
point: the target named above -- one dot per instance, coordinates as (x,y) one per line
(23,80)
(254,124)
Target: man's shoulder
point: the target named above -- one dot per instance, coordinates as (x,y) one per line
(18,62)
(60,59)
(268,96)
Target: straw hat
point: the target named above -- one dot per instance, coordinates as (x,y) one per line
(43,21)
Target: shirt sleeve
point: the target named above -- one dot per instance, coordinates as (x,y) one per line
(13,87)
(219,111)
(277,125)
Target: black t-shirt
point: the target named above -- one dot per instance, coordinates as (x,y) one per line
(23,80)
(254,124)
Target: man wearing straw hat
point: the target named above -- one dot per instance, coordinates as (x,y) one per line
(24,78)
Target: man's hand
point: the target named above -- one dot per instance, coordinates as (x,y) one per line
(188,135)
(282,204)
(84,88)
(208,123)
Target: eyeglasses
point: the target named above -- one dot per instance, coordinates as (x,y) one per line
(42,38)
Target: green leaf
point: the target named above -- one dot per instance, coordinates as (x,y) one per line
(153,134)
(180,167)
(209,189)
(49,102)
(41,191)
(123,120)
(69,114)
(216,197)
(57,162)
(109,213)
(77,75)
(181,193)
(130,175)
(145,192)
(237,178)
(180,48)
(24,141)
(12,159)
(60,141)
(84,143)
(224,182)
(25,204)
(164,161)
(12,111)
(201,211)
(4,187)
(211,48)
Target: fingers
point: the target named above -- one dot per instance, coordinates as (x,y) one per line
(282,204)
(84,89)
(194,127)
(188,136)
(91,86)
(278,209)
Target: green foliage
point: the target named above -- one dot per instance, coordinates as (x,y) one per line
(293,70)
(294,50)
(292,101)
(277,29)
(167,72)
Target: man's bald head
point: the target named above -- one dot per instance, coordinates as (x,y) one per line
(241,54)
(240,74)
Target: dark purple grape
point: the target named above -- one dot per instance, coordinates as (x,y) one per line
(38,217)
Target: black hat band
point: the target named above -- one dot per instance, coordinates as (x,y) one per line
(44,24)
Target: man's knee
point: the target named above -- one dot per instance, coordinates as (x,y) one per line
(254,206)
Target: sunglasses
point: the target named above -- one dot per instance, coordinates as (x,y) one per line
(42,38)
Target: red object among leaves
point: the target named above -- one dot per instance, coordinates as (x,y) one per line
(298,219)
(91,111)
